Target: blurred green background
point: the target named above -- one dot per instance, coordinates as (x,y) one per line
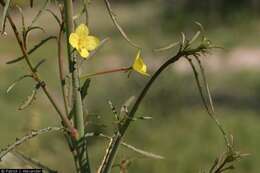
(180,129)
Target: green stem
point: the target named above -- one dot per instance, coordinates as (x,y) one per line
(73,67)
(77,101)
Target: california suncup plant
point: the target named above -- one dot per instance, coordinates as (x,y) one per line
(81,45)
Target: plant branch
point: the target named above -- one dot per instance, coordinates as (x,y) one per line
(33,162)
(27,137)
(73,67)
(113,147)
(36,77)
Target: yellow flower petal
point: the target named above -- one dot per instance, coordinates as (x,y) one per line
(91,43)
(139,65)
(83,52)
(82,30)
(74,40)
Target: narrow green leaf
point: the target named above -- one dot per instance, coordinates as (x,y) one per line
(39,64)
(205,82)
(26,34)
(22,17)
(183,40)
(32,50)
(137,150)
(29,100)
(39,12)
(16,82)
(194,38)
(170,46)
(84,88)
(5,13)
(54,15)
(120,29)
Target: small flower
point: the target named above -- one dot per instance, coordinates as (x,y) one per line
(82,41)
(139,65)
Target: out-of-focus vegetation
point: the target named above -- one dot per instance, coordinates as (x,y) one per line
(180,130)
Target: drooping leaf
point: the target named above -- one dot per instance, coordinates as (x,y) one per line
(29,100)
(16,82)
(5,13)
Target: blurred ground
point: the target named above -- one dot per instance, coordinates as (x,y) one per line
(180,130)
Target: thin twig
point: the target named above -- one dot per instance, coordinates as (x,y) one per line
(32,161)
(27,137)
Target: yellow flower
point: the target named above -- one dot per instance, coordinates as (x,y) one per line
(82,41)
(139,65)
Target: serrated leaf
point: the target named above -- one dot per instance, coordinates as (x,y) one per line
(16,82)
(5,13)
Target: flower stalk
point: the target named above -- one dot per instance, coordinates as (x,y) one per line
(73,68)
(76,96)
